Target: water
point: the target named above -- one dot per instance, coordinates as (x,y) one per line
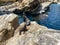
(28,16)
(53,19)
(20,19)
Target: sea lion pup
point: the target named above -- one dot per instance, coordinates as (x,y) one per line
(21,29)
(20,4)
(26,20)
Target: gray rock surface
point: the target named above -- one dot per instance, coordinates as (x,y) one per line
(36,35)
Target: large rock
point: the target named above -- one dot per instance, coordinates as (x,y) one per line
(25,5)
(36,35)
(8,23)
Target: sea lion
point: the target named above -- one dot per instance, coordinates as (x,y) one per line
(20,29)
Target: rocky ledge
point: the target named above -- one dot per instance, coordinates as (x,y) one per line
(35,34)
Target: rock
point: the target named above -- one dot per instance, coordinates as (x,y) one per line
(31,43)
(25,5)
(36,35)
(13,20)
(7,0)
(8,23)
(47,4)
(2,37)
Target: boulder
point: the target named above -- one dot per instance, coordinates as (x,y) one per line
(8,23)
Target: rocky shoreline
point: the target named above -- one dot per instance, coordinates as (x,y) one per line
(35,34)
(13,33)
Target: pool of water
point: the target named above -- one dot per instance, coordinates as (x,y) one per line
(53,19)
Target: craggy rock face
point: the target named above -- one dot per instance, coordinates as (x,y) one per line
(30,5)
(8,23)
(26,5)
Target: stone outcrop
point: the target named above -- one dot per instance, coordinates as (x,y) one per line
(8,23)
(25,5)
(36,35)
